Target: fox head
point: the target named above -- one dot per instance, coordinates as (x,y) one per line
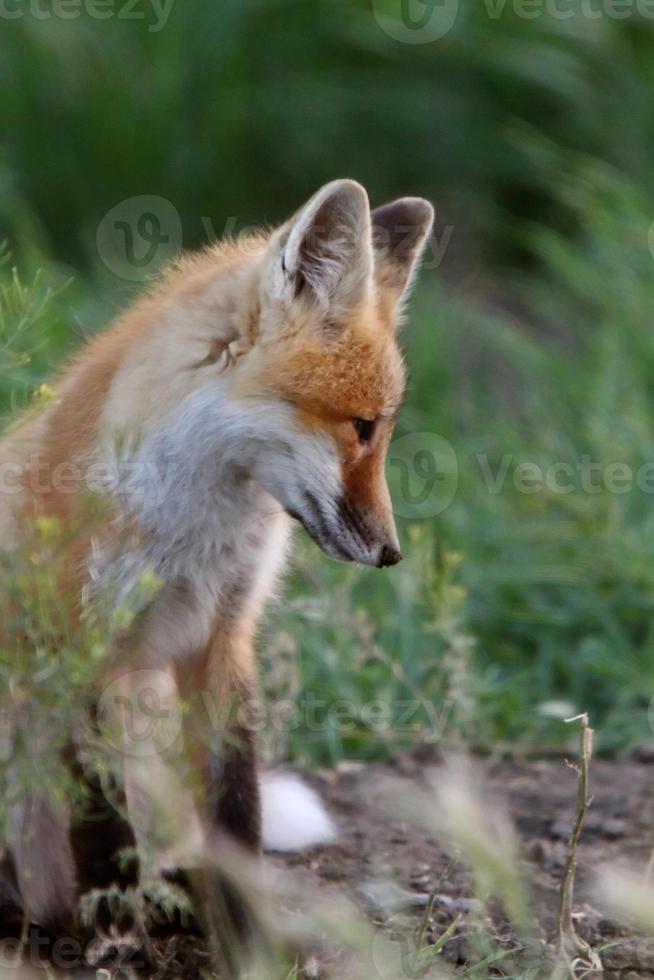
(326,363)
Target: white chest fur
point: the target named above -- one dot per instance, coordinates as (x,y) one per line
(210,532)
(237,585)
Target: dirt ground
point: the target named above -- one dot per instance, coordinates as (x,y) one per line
(382,874)
(386,869)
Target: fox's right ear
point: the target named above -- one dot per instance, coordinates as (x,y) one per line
(324,254)
(400,231)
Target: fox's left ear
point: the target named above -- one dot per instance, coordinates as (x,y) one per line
(399,233)
(325,256)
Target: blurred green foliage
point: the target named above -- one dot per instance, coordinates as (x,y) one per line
(551,611)
(535,139)
(242,108)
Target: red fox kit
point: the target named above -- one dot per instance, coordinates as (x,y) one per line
(257,384)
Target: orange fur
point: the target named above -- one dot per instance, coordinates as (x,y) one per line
(292,338)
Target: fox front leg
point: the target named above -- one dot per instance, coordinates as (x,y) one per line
(107,869)
(221,749)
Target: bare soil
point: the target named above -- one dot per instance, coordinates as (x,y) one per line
(387,869)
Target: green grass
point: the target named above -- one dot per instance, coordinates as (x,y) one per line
(547,610)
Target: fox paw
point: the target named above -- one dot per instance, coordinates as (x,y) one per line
(121,957)
(118,943)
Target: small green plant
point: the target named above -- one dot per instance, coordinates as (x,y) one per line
(51,653)
(360,668)
(28,315)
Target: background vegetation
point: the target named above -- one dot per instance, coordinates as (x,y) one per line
(530,342)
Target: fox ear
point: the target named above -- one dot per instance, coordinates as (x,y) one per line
(399,232)
(326,255)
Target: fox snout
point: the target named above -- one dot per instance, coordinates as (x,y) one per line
(379,542)
(347,532)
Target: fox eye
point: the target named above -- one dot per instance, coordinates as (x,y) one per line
(365,428)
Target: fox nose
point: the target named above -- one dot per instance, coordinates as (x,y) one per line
(389,555)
